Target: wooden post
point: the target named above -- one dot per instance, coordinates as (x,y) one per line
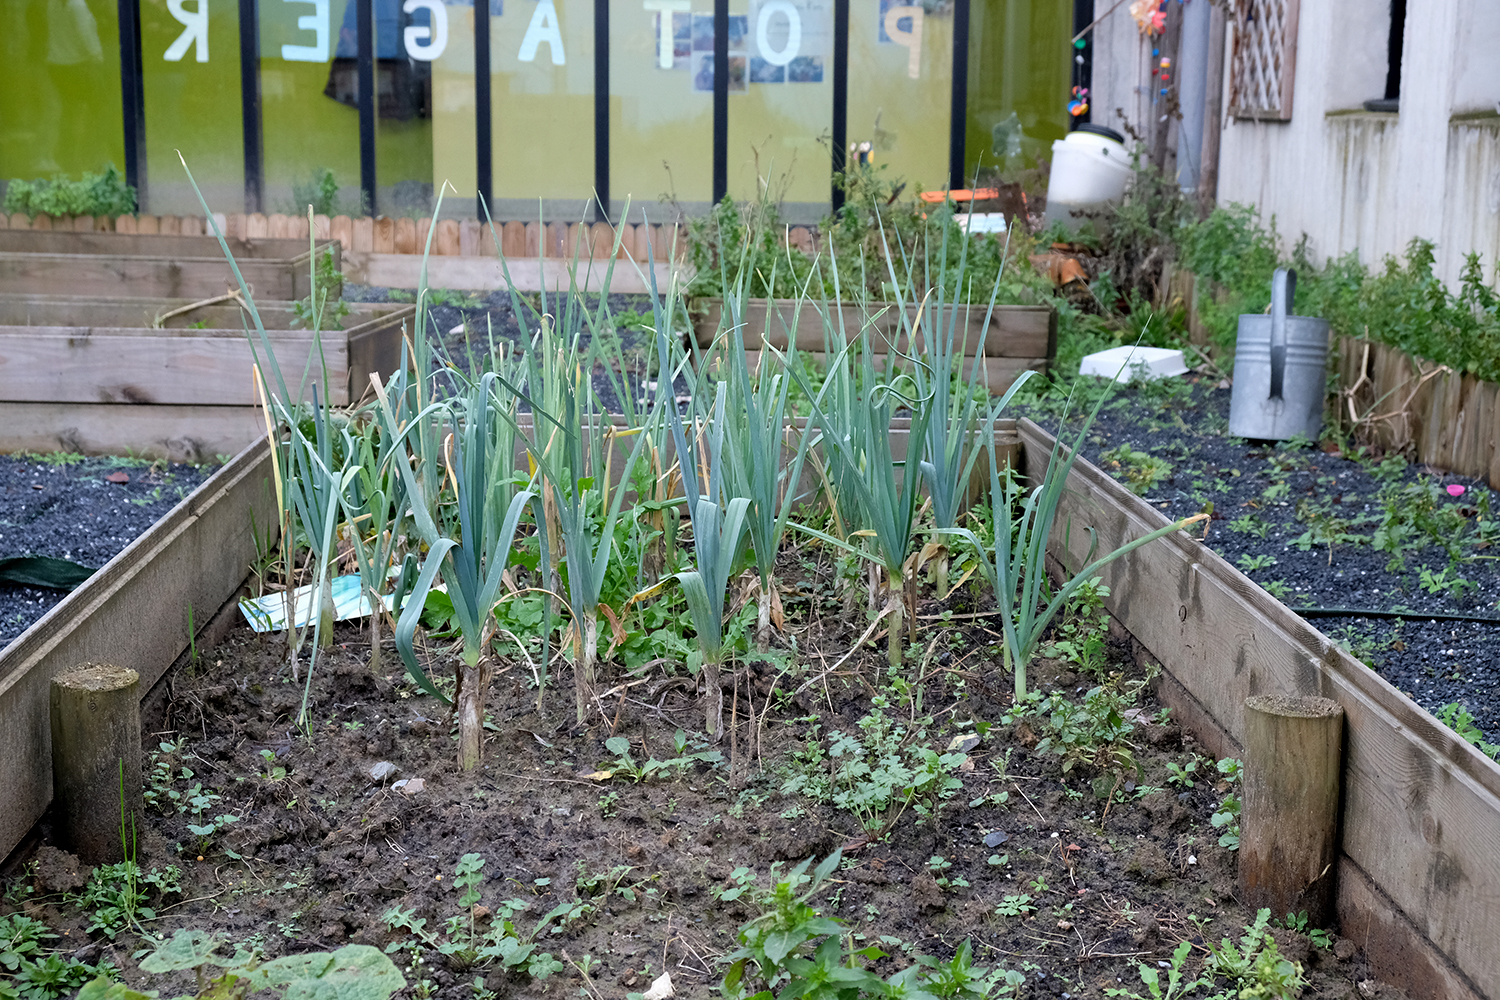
(96,724)
(1289,815)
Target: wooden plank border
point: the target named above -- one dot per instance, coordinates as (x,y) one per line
(133,612)
(1419,867)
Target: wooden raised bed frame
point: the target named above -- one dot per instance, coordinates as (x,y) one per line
(152,266)
(93,376)
(1016,339)
(137,611)
(1418,871)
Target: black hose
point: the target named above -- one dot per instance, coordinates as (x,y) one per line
(1443,616)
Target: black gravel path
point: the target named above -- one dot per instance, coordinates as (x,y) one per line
(64,507)
(1305,523)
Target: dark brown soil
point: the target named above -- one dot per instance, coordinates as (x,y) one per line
(324,850)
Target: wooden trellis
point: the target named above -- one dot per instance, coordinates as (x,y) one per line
(1264,58)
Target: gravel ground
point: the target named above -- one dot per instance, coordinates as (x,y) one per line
(67,509)
(1323,529)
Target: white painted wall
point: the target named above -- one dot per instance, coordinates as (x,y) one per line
(1357,180)
(1348,178)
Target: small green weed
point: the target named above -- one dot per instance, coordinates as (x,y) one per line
(1457,718)
(465,942)
(1227,817)
(1139,470)
(117,895)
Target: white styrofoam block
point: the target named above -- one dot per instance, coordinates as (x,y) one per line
(1124,363)
(981,222)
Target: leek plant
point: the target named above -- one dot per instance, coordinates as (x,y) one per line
(472,559)
(374,503)
(1015,565)
(718,519)
(313,486)
(856,438)
(308,484)
(753,454)
(948,447)
(571,445)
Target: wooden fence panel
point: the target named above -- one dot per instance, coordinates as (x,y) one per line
(469,232)
(513,239)
(341,228)
(406,236)
(383,240)
(447,238)
(364,234)
(556,240)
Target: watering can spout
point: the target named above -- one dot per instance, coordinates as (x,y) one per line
(1283,290)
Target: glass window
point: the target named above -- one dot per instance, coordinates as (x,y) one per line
(1019,71)
(310,105)
(900,88)
(542,99)
(191,76)
(661,106)
(405,42)
(60,74)
(781,105)
(453,111)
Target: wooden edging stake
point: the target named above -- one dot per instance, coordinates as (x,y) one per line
(96,726)
(1289,816)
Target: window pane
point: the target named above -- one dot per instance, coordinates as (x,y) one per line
(542,55)
(453,156)
(310,105)
(403,102)
(661,116)
(900,89)
(192,88)
(781,105)
(1019,69)
(60,74)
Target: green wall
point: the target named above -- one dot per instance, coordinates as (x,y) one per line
(1020,63)
(59,88)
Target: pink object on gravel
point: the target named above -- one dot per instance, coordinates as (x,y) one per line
(1455,490)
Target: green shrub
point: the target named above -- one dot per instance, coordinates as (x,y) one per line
(93,194)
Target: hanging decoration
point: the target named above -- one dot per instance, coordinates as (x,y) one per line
(1150,15)
(1079,105)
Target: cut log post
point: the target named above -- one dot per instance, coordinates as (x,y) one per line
(96,725)
(1289,815)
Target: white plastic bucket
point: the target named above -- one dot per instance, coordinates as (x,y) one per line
(1089,168)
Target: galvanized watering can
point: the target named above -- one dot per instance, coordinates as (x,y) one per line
(1279,377)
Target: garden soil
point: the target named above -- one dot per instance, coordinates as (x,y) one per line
(326,842)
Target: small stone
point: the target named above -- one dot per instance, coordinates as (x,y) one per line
(413,786)
(995,838)
(383,770)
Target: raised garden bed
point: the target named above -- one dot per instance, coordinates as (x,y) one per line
(1417,875)
(98,376)
(1396,402)
(1015,338)
(656,874)
(151,266)
(139,610)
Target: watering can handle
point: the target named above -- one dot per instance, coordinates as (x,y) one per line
(1283,289)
